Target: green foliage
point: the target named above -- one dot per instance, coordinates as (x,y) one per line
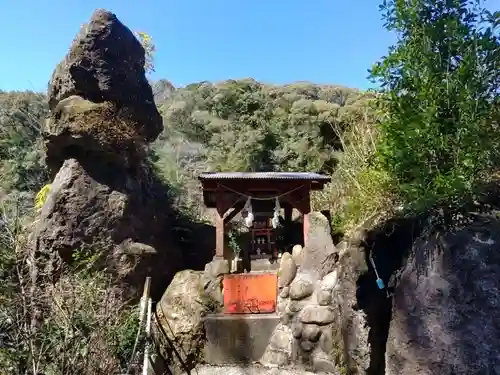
(244,125)
(233,242)
(149,51)
(41,196)
(21,160)
(82,324)
(439,131)
(86,328)
(122,337)
(359,193)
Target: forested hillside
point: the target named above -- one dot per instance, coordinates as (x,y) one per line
(249,126)
(236,125)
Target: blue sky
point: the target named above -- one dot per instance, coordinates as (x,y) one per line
(276,41)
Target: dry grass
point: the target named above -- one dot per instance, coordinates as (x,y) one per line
(80,325)
(359,194)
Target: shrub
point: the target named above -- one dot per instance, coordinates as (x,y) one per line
(440,83)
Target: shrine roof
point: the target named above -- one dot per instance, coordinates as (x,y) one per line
(270,176)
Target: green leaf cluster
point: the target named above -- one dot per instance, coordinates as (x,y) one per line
(439,133)
(245,125)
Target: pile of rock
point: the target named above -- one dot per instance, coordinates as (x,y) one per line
(307,281)
(212,283)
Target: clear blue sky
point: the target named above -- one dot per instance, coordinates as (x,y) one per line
(276,41)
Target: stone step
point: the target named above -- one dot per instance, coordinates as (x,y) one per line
(237,338)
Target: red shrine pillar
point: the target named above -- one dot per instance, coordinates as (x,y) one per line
(306,209)
(219,236)
(301,201)
(224,216)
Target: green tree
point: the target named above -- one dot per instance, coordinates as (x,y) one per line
(245,125)
(149,50)
(440,83)
(21,161)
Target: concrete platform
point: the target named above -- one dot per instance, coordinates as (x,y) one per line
(237,338)
(251,370)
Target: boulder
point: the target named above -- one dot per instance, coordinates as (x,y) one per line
(178,326)
(285,292)
(324,297)
(213,282)
(329,281)
(311,332)
(77,126)
(323,363)
(302,286)
(297,254)
(320,315)
(217,267)
(287,270)
(279,350)
(319,255)
(350,335)
(102,212)
(106,64)
(446,305)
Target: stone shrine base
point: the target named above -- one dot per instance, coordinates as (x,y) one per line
(252,370)
(237,338)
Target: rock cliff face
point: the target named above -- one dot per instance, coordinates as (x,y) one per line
(446,315)
(105,198)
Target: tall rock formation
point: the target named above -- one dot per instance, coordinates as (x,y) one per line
(105,198)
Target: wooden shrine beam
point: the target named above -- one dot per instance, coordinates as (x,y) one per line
(301,200)
(223,205)
(244,186)
(288,212)
(238,206)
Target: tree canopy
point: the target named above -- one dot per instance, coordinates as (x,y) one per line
(439,132)
(245,125)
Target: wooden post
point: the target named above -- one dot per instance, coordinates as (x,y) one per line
(306,209)
(219,236)
(221,250)
(302,202)
(288,213)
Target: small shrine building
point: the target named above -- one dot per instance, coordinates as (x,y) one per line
(261,196)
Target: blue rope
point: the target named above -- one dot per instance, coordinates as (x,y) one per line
(380,282)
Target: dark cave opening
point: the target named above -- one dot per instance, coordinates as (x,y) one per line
(388,244)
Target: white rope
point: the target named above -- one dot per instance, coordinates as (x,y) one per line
(275,220)
(248,208)
(248,204)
